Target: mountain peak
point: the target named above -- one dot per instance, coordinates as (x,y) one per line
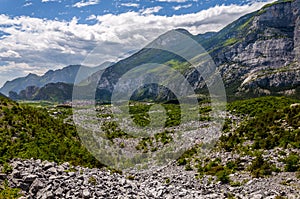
(32,75)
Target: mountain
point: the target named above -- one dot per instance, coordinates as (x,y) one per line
(257,54)
(261,54)
(66,75)
(52,92)
(1,95)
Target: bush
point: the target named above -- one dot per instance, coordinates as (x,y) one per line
(223,176)
(260,167)
(292,163)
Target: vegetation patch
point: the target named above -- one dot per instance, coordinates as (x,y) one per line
(28,132)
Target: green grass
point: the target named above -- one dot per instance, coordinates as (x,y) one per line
(230,41)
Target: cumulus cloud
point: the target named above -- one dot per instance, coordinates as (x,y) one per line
(91,17)
(130,5)
(84,3)
(151,10)
(179,7)
(36,45)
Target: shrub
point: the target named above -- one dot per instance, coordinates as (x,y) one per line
(260,167)
(223,176)
(292,163)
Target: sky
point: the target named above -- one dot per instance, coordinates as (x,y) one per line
(39,35)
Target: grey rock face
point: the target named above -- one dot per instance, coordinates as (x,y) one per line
(268,57)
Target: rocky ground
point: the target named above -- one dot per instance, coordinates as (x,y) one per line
(39,179)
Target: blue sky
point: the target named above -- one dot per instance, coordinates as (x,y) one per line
(38,35)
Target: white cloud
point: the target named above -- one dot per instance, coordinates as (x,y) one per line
(10,53)
(177,1)
(84,3)
(179,7)
(44,1)
(151,10)
(130,5)
(91,17)
(36,45)
(27,4)
(12,70)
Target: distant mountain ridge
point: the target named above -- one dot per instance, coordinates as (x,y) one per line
(52,92)
(65,75)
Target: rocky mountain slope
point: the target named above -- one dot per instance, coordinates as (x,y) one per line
(256,55)
(263,56)
(52,92)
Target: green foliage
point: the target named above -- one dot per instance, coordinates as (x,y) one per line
(164,137)
(223,176)
(230,41)
(112,171)
(298,175)
(7,192)
(260,167)
(153,142)
(188,167)
(257,106)
(6,168)
(292,163)
(187,155)
(28,132)
(167,181)
(92,180)
(130,177)
(227,125)
(235,184)
(112,130)
(263,124)
(182,67)
(144,144)
(230,196)
(215,168)
(139,113)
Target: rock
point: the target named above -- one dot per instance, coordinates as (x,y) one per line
(59,191)
(36,185)
(48,195)
(30,178)
(3,176)
(52,170)
(47,165)
(86,193)
(257,196)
